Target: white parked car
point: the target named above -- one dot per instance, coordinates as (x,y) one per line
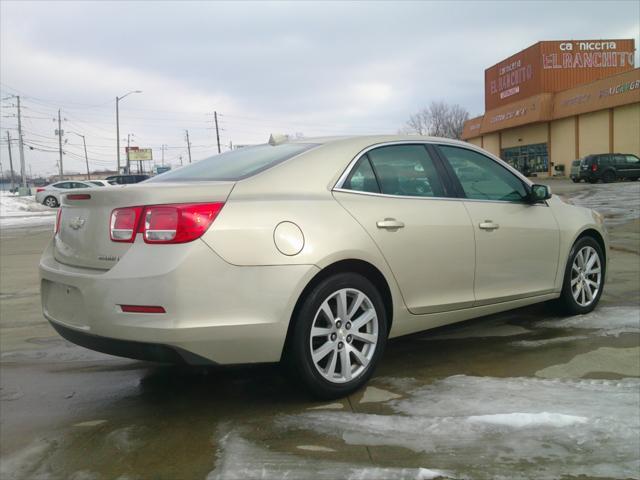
(99,183)
(50,195)
(313,253)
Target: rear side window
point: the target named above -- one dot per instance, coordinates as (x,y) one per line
(236,164)
(482,178)
(362,178)
(604,160)
(406,170)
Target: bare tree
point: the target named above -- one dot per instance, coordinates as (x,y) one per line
(439,119)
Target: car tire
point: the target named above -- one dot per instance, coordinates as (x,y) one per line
(579,292)
(50,202)
(331,356)
(609,177)
(576,180)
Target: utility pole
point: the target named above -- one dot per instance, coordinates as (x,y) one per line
(215,117)
(163,147)
(86,157)
(128,161)
(23,173)
(181,160)
(10,159)
(188,145)
(59,132)
(118,137)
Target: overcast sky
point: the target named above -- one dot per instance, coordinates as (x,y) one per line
(318,68)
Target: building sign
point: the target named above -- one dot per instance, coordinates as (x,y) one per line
(140,154)
(554,66)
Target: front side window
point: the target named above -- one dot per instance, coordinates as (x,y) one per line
(482,178)
(234,165)
(633,160)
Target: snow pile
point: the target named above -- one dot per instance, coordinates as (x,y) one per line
(240,459)
(18,211)
(488,428)
(607,321)
(618,202)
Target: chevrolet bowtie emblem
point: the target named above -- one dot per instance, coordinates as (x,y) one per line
(77,223)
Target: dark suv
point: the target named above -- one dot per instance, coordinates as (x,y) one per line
(607,167)
(126,179)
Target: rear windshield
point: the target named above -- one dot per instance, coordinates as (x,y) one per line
(236,164)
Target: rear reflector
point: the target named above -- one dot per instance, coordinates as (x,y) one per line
(124,224)
(40,189)
(142,309)
(78,196)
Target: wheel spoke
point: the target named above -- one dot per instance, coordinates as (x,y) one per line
(574,281)
(592,259)
(322,352)
(582,295)
(355,305)
(365,337)
(580,259)
(588,292)
(363,319)
(330,371)
(341,299)
(327,311)
(593,271)
(345,363)
(362,360)
(320,332)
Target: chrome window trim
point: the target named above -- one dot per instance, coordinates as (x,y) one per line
(448,199)
(451,143)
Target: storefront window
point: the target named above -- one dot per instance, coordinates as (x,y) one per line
(528,158)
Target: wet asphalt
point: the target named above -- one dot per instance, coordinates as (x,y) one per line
(523,394)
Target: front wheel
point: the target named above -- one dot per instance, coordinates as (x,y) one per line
(339,335)
(583,277)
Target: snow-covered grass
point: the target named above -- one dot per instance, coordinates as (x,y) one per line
(18,212)
(482,427)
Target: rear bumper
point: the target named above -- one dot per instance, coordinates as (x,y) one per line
(152,352)
(214,310)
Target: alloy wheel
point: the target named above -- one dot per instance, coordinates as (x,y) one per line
(586,276)
(50,202)
(344,335)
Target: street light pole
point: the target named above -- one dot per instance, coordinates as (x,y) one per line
(118,122)
(86,157)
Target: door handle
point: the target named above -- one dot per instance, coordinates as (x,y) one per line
(389,223)
(489,225)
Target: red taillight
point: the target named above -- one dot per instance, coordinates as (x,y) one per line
(78,196)
(178,223)
(142,309)
(39,190)
(124,224)
(175,223)
(594,167)
(58,215)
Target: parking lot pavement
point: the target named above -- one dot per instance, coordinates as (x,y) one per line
(524,394)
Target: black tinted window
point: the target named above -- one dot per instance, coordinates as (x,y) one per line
(236,164)
(406,170)
(482,178)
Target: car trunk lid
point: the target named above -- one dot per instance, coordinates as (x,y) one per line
(83,236)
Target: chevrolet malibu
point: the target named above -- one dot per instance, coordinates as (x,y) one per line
(313,253)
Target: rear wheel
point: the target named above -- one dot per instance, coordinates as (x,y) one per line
(339,335)
(50,202)
(576,180)
(583,277)
(609,177)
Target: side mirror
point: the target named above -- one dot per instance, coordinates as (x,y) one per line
(539,193)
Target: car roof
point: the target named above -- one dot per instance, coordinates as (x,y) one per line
(366,140)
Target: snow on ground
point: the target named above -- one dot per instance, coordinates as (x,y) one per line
(482,427)
(16,212)
(606,321)
(239,459)
(618,202)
